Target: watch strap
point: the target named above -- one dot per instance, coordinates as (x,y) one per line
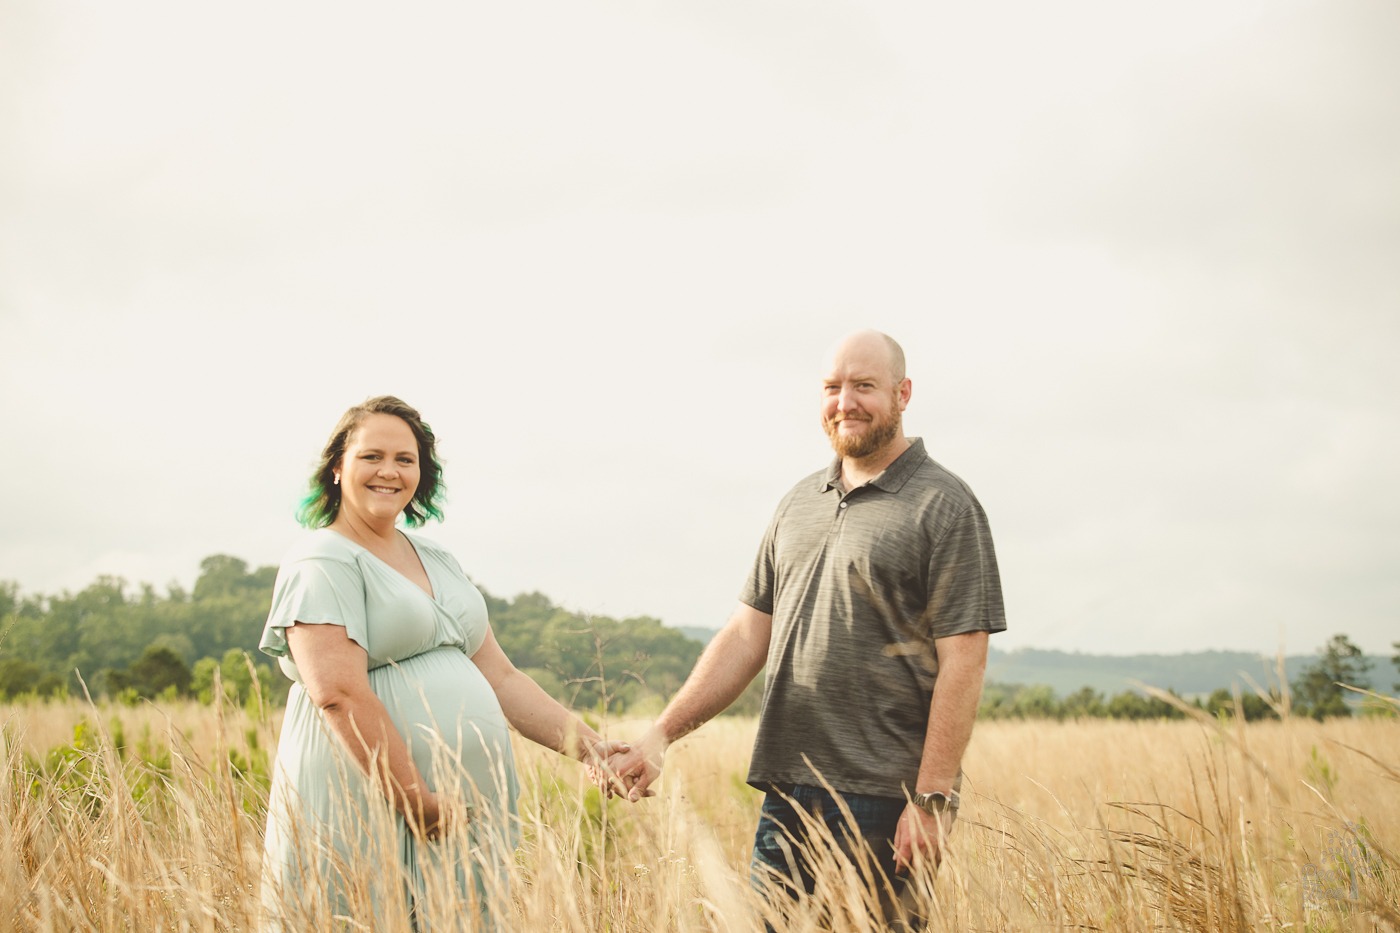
(937,801)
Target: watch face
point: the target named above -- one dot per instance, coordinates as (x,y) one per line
(936,802)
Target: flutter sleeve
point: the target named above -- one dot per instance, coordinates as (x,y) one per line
(316,591)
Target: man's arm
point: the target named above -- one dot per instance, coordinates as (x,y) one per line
(962,659)
(727,665)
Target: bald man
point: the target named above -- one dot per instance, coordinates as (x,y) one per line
(870,602)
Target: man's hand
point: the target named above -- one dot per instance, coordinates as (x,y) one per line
(633,771)
(597,757)
(920,837)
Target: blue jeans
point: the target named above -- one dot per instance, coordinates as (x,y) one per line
(781,844)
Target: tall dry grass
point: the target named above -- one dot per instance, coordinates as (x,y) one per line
(151,819)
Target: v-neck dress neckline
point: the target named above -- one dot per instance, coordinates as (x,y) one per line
(417,555)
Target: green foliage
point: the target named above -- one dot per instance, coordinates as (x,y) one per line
(84,773)
(252,772)
(1320,773)
(70,771)
(158,670)
(1318,692)
(1038,701)
(1395,660)
(1004,701)
(1133,705)
(592,662)
(1018,701)
(19,677)
(242,680)
(107,630)
(1221,703)
(140,645)
(1084,703)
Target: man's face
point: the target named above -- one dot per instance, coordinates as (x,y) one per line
(861,402)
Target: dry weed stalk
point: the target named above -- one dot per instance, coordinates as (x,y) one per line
(149,818)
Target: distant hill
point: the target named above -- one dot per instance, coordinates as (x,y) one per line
(1189,674)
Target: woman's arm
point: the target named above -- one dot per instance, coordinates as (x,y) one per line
(535,714)
(334,672)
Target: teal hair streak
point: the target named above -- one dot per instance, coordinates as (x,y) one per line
(423,507)
(316,510)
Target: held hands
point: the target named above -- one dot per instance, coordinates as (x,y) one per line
(597,756)
(630,773)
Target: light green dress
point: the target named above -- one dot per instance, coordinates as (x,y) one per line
(334,847)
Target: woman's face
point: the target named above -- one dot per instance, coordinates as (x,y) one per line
(379,471)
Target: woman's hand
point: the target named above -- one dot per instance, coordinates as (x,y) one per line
(437,816)
(424,816)
(634,771)
(596,756)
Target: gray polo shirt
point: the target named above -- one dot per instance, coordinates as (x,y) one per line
(859,586)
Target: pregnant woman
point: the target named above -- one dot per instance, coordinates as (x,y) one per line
(393,796)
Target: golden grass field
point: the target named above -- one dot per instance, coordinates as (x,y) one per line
(1091,825)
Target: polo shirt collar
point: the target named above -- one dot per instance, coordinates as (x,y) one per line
(894,476)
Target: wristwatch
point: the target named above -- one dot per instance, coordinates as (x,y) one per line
(936,802)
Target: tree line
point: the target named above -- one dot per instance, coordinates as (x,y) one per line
(1320,691)
(111,640)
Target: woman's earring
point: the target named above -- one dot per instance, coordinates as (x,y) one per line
(337,479)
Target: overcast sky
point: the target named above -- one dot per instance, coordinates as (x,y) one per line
(1144,259)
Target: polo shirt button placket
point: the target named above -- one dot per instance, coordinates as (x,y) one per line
(836,518)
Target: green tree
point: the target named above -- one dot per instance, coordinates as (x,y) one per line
(219,575)
(72,626)
(235,672)
(1318,691)
(1129,705)
(1037,701)
(1253,706)
(202,679)
(592,662)
(1133,705)
(18,676)
(1084,703)
(157,670)
(1018,701)
(228,607)
(1395,660)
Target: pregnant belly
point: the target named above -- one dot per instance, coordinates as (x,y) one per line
(450,717)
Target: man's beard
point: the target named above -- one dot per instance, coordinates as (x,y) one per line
(883,429)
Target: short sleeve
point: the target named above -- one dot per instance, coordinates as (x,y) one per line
(316,591)
(759,588)
(964,584)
